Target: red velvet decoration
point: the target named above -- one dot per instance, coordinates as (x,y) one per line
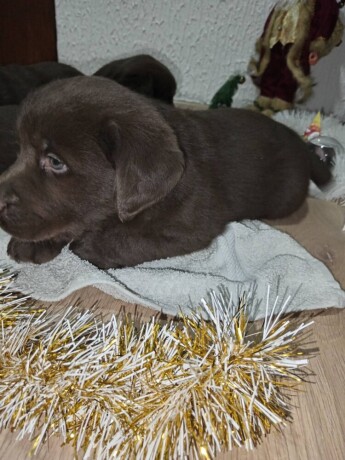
(277,81)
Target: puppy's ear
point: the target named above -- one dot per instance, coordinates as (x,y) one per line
(148,163)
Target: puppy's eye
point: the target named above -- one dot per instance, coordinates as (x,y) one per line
(53,163)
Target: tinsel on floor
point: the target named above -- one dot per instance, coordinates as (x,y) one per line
(196,386)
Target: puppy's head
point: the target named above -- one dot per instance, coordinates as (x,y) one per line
(89,149)
(143,74)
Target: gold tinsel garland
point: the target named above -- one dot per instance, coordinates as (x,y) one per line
(190,387)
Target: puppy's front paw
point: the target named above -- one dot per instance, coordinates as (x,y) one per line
(37,253)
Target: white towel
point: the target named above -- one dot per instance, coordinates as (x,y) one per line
(247,255)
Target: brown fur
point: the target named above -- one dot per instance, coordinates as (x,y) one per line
(142,180)
(9,146)
(16,80)
(144,75)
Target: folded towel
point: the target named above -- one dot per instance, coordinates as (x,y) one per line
(248,255)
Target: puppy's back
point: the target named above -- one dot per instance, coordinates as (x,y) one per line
(258,168)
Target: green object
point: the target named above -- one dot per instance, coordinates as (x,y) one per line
(225,94)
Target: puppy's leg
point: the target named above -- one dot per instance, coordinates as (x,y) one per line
(37,253)
(90,250)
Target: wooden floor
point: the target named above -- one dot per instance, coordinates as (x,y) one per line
(318,429)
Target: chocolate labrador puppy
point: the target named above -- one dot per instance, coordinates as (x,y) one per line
(143,74)
(16,81)
(125,180)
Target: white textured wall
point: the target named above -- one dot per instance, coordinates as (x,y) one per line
(201,41)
